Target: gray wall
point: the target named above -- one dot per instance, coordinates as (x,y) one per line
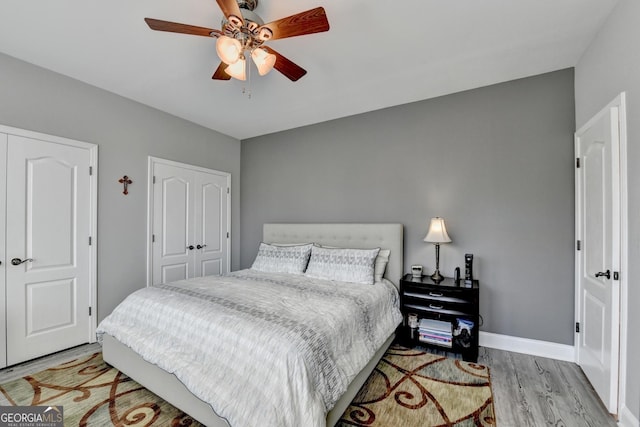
(126,132)
(611,65)
(495,162)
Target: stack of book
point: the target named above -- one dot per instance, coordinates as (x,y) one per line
(433,331)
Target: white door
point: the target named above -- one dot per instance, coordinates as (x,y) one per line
(211,230)
(189,221)
(598,257)
(172,224)
(48,271)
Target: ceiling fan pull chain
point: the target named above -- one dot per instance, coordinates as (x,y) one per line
(247,88)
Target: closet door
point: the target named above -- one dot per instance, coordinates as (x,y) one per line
(48,276)
(173,226)
(189,218)
(211,255)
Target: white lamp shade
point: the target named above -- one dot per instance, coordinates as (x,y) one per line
(437,232)
(228,49)
(237,70)
(263,60)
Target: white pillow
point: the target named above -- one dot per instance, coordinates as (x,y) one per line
(282,259)
(381,264)
(344,265)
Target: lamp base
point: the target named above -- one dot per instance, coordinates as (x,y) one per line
(437,277)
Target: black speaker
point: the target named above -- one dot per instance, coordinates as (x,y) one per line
(468,266)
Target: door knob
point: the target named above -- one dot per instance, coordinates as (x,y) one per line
(606,274)
(200,246)
(190,247)
(18,261)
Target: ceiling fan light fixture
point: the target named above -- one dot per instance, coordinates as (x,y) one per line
(263,60)
(228,49)
(237,70)
(235,21)
(264,34)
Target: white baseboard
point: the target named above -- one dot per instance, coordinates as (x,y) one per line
(528,346)
(627,419)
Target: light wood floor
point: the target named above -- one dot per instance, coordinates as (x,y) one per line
(527,390)
(536,391)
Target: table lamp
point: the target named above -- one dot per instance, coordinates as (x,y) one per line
(437,234)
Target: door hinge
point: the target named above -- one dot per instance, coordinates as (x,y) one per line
(578,327)
(578,162)
(228,191)
(89,311)
(616,275)
(89,240)
(578,244)
(154,179)
(153,238)
(227,234)
(90,170)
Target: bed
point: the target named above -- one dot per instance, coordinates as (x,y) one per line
(173,390)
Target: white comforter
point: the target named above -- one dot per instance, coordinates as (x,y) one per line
(263,349)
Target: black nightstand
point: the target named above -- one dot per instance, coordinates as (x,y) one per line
(449,302)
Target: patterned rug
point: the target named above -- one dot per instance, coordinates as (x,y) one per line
(414,388)
(93,393)
(407,388)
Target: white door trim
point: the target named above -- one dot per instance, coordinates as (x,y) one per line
(157,160)
(93,202)
(620,103)
(4,143)
(624,249)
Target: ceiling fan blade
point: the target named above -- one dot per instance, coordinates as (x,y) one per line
(230,8)
(174,27)
(309,22)
(220,74)
(290,70)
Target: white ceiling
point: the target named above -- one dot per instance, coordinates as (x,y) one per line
(376,54)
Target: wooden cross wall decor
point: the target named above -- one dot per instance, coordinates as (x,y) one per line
(125,181)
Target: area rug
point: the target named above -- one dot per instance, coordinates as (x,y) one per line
(93,393)
(408,388)
(414,388)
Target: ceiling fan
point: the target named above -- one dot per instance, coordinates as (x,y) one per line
(244,31)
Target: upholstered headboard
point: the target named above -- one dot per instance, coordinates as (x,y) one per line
(360,236)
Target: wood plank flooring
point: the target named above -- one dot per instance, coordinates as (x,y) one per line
(527,390)
(536,391)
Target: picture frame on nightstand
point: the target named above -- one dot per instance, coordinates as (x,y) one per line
(416,271)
